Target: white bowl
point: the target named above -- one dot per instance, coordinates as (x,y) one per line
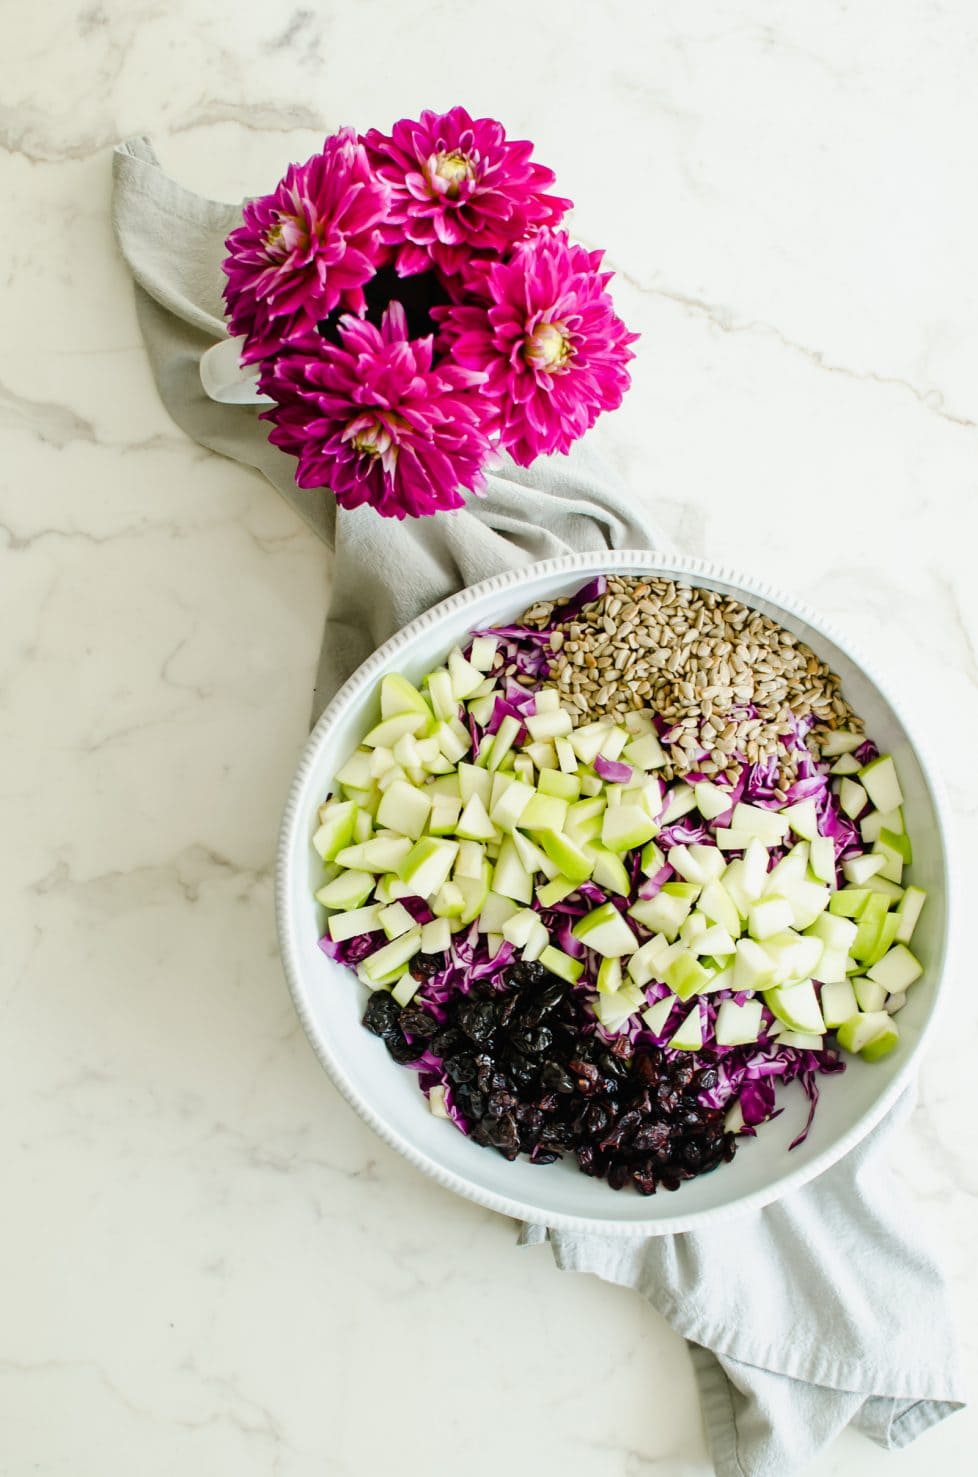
(330,999)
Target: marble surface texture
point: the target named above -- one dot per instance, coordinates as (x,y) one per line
(208,1264)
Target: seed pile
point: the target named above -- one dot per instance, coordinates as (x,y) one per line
(727,680)
(531,1078)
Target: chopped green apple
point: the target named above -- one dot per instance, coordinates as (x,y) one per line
(656,1016)
(395,920)
(753,969)
(852,798)
(879,778)
(533,859)
(556,782)
(382,853)
(405,989)
(680,800)
(685,975)
(436,936)
(398,695)
(794,956)
(729,840)
(665,913)
(389,730)
(768,916)
(714,940)
(846,764)
(552,725)
(465,678)
(606,932)
(525,931)
(644,752)
(404,809)
(850,902)
(349,890)
(807,901)
(896,970)
(610,872)
(840,741)
(858,869)
(392,956)
(609,975)
(561,964)
(872,1035)
(495,911)
(474,823)
(572,860)
(803,819)
(503,740)
(625,827)
(510,877)
(544,813)
(356,773)
(769,827)
(335,831)
(507,810)
(444,817)
(718,906)
(645,963)
(566,758)
(553,892)
(689,1036)
(821,859)
(908,912)
(586,741)
(428,864)
(870,995)
(738,1025)
(711,801)
(838,1003)
(796,1005)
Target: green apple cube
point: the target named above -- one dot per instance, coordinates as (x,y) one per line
(876,821)
(448,901)
(503,740)
(909,911)
(514,800)
(846,764)
(613,1011)
(395,920)
(474,823)
(685,975)
(566,757)
(850,902)
(768,916)
(470,859)
(858,869)
(890,890)
(436,936)
(495,911)
(717,905)
(544,813)
(801,1040)
(753,969)
(644,752)
(553,892)
(452,739)
(714,940)
(769,827)
(363,825)
(896,1002)
(896,970)
(711,801)
(610,872)
(444,817)
(586,741)
(889,929)
(869,927)
(832,967)
(689,1036)
(872,1034)
(390,889)
(404,809)
(852,798)
(464,677)
(606,932)
(733,886)
(803,819)
(482,653)
(398,695)
(680,800)
(443,700)
(796,1005)
(729,840)
(481,709)
(392,956)
(350,925)
(349,890)
(838,1002)
(405,989)
(624,827)
(898,842)
(389,730)
(807,900)
(892,868)
(474,892)
(556,782)
(609,976)
(663,913)
(533,859)
(356,772)
(640,720)
(870,996)
(882,786)
(382,853)
(835,932)
(694,926)
(510,877)
(821,859)
(652,859)
(793,955)
(561,964)
(613,743)
(738,1025)
(753,878)
(353,923)
(591,784)
(686,865)
(645,963)
(336,829)
(656,1016)
(525,931)
(569,857)
(428,865)
(840,741)
(552,725)
(406,753)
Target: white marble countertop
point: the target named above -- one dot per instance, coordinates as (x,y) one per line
(210,1265)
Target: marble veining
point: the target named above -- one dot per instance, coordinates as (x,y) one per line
(210,1264)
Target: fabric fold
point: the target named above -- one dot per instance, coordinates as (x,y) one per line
(810,1331)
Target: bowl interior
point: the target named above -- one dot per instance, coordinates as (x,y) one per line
(330,999)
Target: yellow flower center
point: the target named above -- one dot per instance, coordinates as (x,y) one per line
(548,347)
(367,441)
(452,168)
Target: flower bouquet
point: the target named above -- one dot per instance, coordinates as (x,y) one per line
(413,308)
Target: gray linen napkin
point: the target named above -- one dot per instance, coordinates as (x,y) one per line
(796,1316)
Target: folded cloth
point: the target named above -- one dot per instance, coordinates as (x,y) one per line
(797,1316)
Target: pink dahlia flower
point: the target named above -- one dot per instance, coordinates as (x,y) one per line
(307,248)
(458,186)
(547,337)
(373,420)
